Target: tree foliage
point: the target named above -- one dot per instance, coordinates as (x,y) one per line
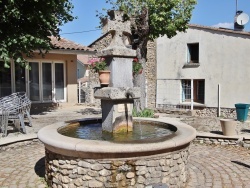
(151,19)
(26,24)
(154,18)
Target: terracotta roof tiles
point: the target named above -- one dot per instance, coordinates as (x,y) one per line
(65,44)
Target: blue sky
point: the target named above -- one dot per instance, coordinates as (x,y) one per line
(218,13)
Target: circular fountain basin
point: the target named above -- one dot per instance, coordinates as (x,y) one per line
(97,163)
(143,131)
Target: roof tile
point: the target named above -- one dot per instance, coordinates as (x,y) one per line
(65,44)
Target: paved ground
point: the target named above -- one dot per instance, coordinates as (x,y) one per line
(209,166)
(22,167)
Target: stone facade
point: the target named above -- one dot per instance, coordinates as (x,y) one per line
(168,168)
(213,112)
(205,112)
(150,71)
(223,141)
(150,74)
(99,44)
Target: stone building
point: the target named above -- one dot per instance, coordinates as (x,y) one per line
(150,71)
(206,64)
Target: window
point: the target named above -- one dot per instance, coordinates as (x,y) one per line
(47,81)
(198,91)
(5,80)
(193,53)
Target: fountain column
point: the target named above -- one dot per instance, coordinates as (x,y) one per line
(117,99)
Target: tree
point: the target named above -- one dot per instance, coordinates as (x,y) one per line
(151,19)
(25,26)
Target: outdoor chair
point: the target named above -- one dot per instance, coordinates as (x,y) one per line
(15,107)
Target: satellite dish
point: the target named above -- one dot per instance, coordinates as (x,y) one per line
(242,19)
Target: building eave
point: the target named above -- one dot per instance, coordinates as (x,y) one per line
(75,52)
(215,29)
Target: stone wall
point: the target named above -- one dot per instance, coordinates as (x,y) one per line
(168,168)
(99,44)
(213,112)
(150,71)
(102,42)
(223,141)
(150,74)
(206,112)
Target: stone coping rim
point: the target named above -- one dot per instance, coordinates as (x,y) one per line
(215,136)
(60,144)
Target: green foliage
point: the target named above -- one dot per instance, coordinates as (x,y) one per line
(137,67)
(165,17)
(26,24)
(148,113)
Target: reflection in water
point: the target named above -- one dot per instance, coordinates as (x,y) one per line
(141,131)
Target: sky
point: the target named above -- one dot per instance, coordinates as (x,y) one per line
(216,13)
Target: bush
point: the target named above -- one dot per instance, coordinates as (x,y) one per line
(148,113)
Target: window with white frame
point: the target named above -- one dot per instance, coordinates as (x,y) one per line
(198,91)
(45,81)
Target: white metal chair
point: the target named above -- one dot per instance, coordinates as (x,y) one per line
(14,107)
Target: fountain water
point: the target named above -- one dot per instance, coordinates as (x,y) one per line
(74,162)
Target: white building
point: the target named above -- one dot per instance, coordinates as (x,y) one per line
(203,58)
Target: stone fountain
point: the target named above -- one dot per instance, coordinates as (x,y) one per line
(117,100)
(74,162)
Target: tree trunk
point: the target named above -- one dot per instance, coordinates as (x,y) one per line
(140,81)
(141,32)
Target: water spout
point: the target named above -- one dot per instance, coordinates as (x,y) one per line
(129,93)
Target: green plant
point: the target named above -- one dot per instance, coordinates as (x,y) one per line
(18,40)
(97,64)
(137,67)
(148,113)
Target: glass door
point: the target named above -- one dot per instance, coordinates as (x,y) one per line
(34,83)
(59,82)
(5,80)
(46,82)
(20,78)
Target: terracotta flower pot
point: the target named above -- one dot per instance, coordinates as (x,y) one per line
(228,126)
(104,77)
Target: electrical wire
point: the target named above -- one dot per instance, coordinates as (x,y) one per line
(80,32)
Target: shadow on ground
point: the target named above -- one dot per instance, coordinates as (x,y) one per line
(245,130)
(217,132)
(42,108)
(40,167)
(242,164)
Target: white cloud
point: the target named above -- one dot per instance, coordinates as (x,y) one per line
(225,25)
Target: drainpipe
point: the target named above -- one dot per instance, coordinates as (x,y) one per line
(79,92)
(192,94)
(146,93)
(218,100)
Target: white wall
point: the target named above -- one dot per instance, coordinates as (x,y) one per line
(82,70)
(224,58)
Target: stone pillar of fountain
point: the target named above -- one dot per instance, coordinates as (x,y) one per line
(117,99)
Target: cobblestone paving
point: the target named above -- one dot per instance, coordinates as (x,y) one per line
(209,166)
(219,167)
(23,167)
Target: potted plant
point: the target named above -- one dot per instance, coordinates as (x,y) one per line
(99,65)
(137,67)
